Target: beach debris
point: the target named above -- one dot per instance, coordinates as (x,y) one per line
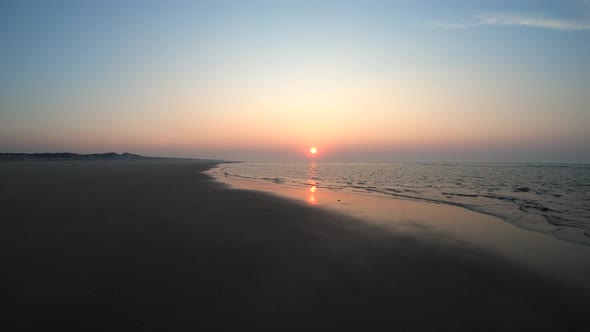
(522,189)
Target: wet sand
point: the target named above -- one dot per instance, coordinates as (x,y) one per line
(554,258)
(156,245)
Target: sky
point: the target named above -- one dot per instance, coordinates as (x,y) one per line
(505,81)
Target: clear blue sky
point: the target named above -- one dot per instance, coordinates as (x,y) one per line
(362,80)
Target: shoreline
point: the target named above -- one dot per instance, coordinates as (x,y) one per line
(157,245)
(525,221)
(540,251)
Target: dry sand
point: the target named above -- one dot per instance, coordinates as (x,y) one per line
(156,245)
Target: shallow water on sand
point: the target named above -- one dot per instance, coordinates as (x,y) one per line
(548,198)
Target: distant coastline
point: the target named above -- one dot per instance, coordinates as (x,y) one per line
(76,156)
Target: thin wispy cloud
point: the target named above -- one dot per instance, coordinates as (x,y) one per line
(453,26)
(516,20)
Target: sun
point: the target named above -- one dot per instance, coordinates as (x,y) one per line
(313,150)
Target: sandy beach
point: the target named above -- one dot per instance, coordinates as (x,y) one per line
(158,245)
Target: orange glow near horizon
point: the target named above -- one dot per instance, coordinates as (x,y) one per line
(290,81)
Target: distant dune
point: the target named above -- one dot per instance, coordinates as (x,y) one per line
(76,156)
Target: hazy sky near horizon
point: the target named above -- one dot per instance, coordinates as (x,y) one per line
(265,80)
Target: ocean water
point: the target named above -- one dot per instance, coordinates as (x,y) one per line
(548,198)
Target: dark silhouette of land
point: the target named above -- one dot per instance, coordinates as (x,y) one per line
(63,156)
(155,245)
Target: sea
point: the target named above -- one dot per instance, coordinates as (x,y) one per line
(550,198)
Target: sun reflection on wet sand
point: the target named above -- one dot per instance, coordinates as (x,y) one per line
(312,190)
(313,173)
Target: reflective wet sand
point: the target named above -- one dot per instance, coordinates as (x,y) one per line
(558,259)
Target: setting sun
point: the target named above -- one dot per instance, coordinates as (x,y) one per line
(313,150)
